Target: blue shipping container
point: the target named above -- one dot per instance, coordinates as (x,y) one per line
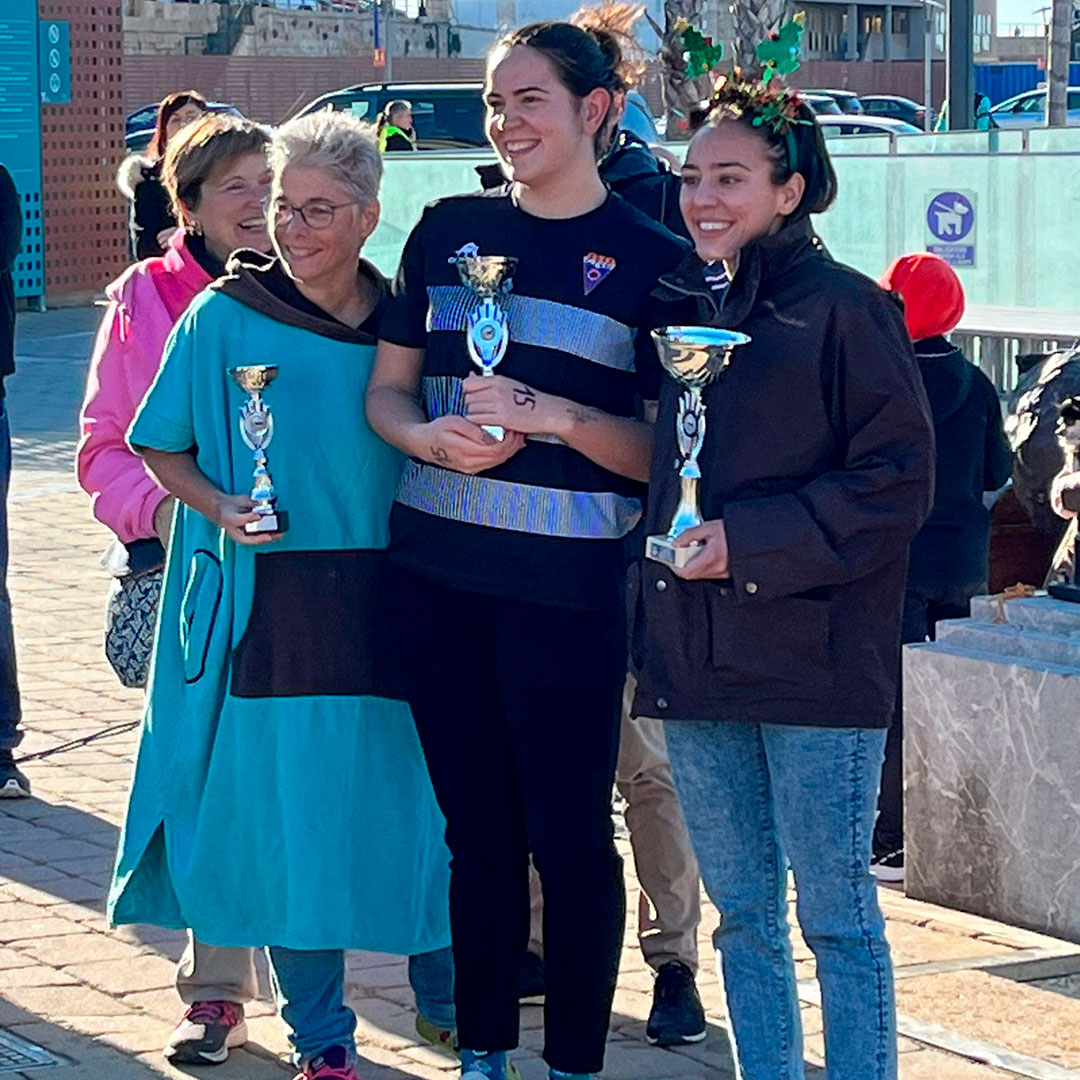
(999,82)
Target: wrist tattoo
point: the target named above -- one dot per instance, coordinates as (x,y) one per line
(581,414)
(440,455)
(524,398)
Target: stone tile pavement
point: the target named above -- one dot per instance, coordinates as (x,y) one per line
(977,999)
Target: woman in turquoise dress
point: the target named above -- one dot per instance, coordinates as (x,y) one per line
(278,798)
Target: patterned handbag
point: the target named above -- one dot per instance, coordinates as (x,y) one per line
(131,612)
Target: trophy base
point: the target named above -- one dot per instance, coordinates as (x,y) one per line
(496,432)
(662,549)
(1065,591)
(268,523)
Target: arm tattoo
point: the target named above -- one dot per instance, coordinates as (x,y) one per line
(580,414)
(524,398)
(440,455)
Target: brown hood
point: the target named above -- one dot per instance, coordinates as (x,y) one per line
(261,282)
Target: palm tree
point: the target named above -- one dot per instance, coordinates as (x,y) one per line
(682,93)
(755,20)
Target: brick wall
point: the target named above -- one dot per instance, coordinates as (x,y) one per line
(81,144)
(903,77)
(271,89)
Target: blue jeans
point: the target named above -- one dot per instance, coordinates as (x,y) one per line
(752,793)
(309,987)
(10,711)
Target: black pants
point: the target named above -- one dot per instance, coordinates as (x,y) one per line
(922,611)
(518,706)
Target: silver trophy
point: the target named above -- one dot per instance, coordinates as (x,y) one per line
(257,429)
(487,327)
(693,356)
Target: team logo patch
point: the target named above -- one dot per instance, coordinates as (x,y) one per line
(596,268)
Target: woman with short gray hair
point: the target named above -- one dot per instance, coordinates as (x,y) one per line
(301,814)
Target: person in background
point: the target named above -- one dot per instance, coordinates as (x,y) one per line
(151,221)
(394,128)
(948,559)
(13,782)
(216,175)
(263,668)
(775,686)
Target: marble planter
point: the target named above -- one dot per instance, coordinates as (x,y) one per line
(992,764)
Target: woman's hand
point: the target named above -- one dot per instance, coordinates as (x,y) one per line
(509,403)
(232,513)
(459,444)
(163,517)
(165,236)
(712,559)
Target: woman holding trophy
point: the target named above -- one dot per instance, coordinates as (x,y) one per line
(509,367)
(767,636)
(279,798)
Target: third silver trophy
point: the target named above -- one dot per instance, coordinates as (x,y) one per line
(693,356)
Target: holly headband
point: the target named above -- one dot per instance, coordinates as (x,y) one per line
(766,101)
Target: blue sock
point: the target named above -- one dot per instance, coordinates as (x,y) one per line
(488,1063)
(554,1074)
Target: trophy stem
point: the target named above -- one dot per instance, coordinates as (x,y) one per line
(687,514)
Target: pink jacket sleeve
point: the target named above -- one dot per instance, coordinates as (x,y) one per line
(123,494)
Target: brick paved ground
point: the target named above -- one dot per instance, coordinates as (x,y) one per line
(102,999)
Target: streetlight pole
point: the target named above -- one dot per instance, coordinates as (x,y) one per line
(960,64)
(1057,63)
(930,8)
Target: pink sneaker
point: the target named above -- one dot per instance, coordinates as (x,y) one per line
(332,1064)
(206,1034)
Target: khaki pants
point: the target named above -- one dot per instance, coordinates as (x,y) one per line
(669,905)
(210,973)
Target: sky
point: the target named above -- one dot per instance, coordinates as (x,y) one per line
(1019,11)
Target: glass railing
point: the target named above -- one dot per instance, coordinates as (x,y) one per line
(1024,237)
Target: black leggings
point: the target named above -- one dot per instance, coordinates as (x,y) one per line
(518,706)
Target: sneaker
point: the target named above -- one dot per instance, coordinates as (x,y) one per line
(494,1066)
(333,1064)
(531,984)
(889,866)
(676,1016)
(13,784)
(440,1037)
(206,1034)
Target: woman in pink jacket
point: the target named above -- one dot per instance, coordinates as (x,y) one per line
(217,176)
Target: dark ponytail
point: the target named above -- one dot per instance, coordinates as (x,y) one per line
(584,60)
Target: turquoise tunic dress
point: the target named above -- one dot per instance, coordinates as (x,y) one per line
(274,802)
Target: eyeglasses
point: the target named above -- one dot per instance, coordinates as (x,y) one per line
(317,215)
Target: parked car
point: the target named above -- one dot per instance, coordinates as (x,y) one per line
(848,100)
(837,126)
(448,116)
(1029,110)
(899,108)
(140,124)
(822,104)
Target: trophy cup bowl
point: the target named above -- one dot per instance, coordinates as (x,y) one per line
(257,430)
(486,275)
(693,356)
(487,327)
(254,378)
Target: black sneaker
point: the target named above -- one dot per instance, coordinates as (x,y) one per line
(888,866)
(531,984)
(206,1033)
(13,784)
(676,1016)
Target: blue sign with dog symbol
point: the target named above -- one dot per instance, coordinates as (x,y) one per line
(950,226)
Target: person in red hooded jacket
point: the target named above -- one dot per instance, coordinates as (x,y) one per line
(949,555)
